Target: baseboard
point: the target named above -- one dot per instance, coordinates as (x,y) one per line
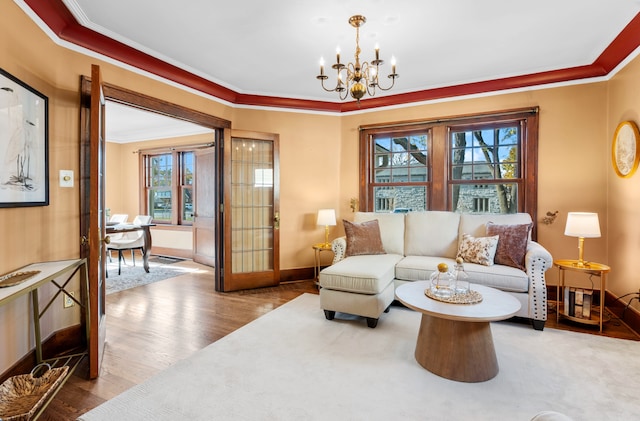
(56,344)
(171,252)
(299,274)
(629,315)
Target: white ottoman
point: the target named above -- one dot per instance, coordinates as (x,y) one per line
(359,285)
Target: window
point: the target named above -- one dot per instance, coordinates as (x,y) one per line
(474,164)
(490,153)
(168,186)
(400,171)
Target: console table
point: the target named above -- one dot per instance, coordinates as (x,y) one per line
(49,272)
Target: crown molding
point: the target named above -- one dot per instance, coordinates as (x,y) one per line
(63,24)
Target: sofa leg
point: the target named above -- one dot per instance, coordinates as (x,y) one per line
(386,310)
(538,324)
(371,322)
(329,314)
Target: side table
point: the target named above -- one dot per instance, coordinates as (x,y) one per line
(318,249)
(589,268)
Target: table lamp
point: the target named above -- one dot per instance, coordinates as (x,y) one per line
(326,217)
(582,225)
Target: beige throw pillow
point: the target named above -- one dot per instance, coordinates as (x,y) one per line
(363,238)
(479,250)
(512,245)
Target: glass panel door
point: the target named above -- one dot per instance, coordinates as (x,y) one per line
(251,212)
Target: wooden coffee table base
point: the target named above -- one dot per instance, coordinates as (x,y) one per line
(457,350)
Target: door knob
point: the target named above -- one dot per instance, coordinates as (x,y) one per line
(106,240)
(276,220)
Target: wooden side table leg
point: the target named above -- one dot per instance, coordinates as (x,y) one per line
(456,350)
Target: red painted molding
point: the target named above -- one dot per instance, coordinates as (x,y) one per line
(58,18)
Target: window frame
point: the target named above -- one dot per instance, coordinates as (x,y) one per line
(177,188)
(439,183)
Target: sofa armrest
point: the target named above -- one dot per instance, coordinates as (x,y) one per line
(537,261)
(537,251)
(339,248)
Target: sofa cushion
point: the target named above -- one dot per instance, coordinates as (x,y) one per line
(391,229)
(505,278)
(432,233)
(367,274)
(363,238)
(476,224)
(481,250)
(512,244)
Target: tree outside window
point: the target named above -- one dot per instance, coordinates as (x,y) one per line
(169,186)
(481,163)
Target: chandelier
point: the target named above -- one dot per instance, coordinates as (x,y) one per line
(357,78)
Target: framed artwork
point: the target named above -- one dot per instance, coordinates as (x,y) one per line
(24,142)
(624,151)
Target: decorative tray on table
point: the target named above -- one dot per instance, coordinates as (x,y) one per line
(16,278)
(469,297)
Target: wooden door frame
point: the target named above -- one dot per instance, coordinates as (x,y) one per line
(137,100)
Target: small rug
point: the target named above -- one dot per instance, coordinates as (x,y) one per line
(135,276)
(292,364)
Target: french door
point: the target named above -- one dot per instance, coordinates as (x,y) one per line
(250,243)
(92,216)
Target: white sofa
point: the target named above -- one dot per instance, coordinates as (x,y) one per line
(415,243)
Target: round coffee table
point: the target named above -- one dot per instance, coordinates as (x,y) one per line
(454,340)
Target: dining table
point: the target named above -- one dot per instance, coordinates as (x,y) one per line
(146,230)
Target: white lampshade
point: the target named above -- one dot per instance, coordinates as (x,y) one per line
(326,217)
(582,224)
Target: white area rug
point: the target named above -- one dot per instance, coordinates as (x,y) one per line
(292,364)
(135,276)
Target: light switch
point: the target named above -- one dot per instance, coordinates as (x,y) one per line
(66,178)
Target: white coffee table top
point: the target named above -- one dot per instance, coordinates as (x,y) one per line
(495,304)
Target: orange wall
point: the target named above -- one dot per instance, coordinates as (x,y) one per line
(319,163)
(623,195)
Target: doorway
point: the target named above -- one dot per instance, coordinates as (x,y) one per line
(153,165)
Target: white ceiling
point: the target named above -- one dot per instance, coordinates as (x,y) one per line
(273,48)
(125,124)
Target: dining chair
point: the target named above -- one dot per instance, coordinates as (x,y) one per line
(118,218)
(130,241)
(115,219)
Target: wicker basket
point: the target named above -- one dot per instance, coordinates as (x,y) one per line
(22,396)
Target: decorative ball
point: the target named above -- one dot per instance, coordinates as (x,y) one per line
(443,267)
(459,260)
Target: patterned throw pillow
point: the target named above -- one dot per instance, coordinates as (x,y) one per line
(479,250)
(512,245)
(363,238)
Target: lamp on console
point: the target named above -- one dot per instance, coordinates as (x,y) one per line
(326,217)
(582,225)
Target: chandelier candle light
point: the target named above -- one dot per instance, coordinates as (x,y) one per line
(359,78)
(326,217)
(582,225)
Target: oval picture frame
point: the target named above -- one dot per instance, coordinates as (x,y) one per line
(625,149)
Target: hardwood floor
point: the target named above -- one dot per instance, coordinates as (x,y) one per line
(153,326)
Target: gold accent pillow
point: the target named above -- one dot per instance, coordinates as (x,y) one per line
(479,250)
(363,238)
